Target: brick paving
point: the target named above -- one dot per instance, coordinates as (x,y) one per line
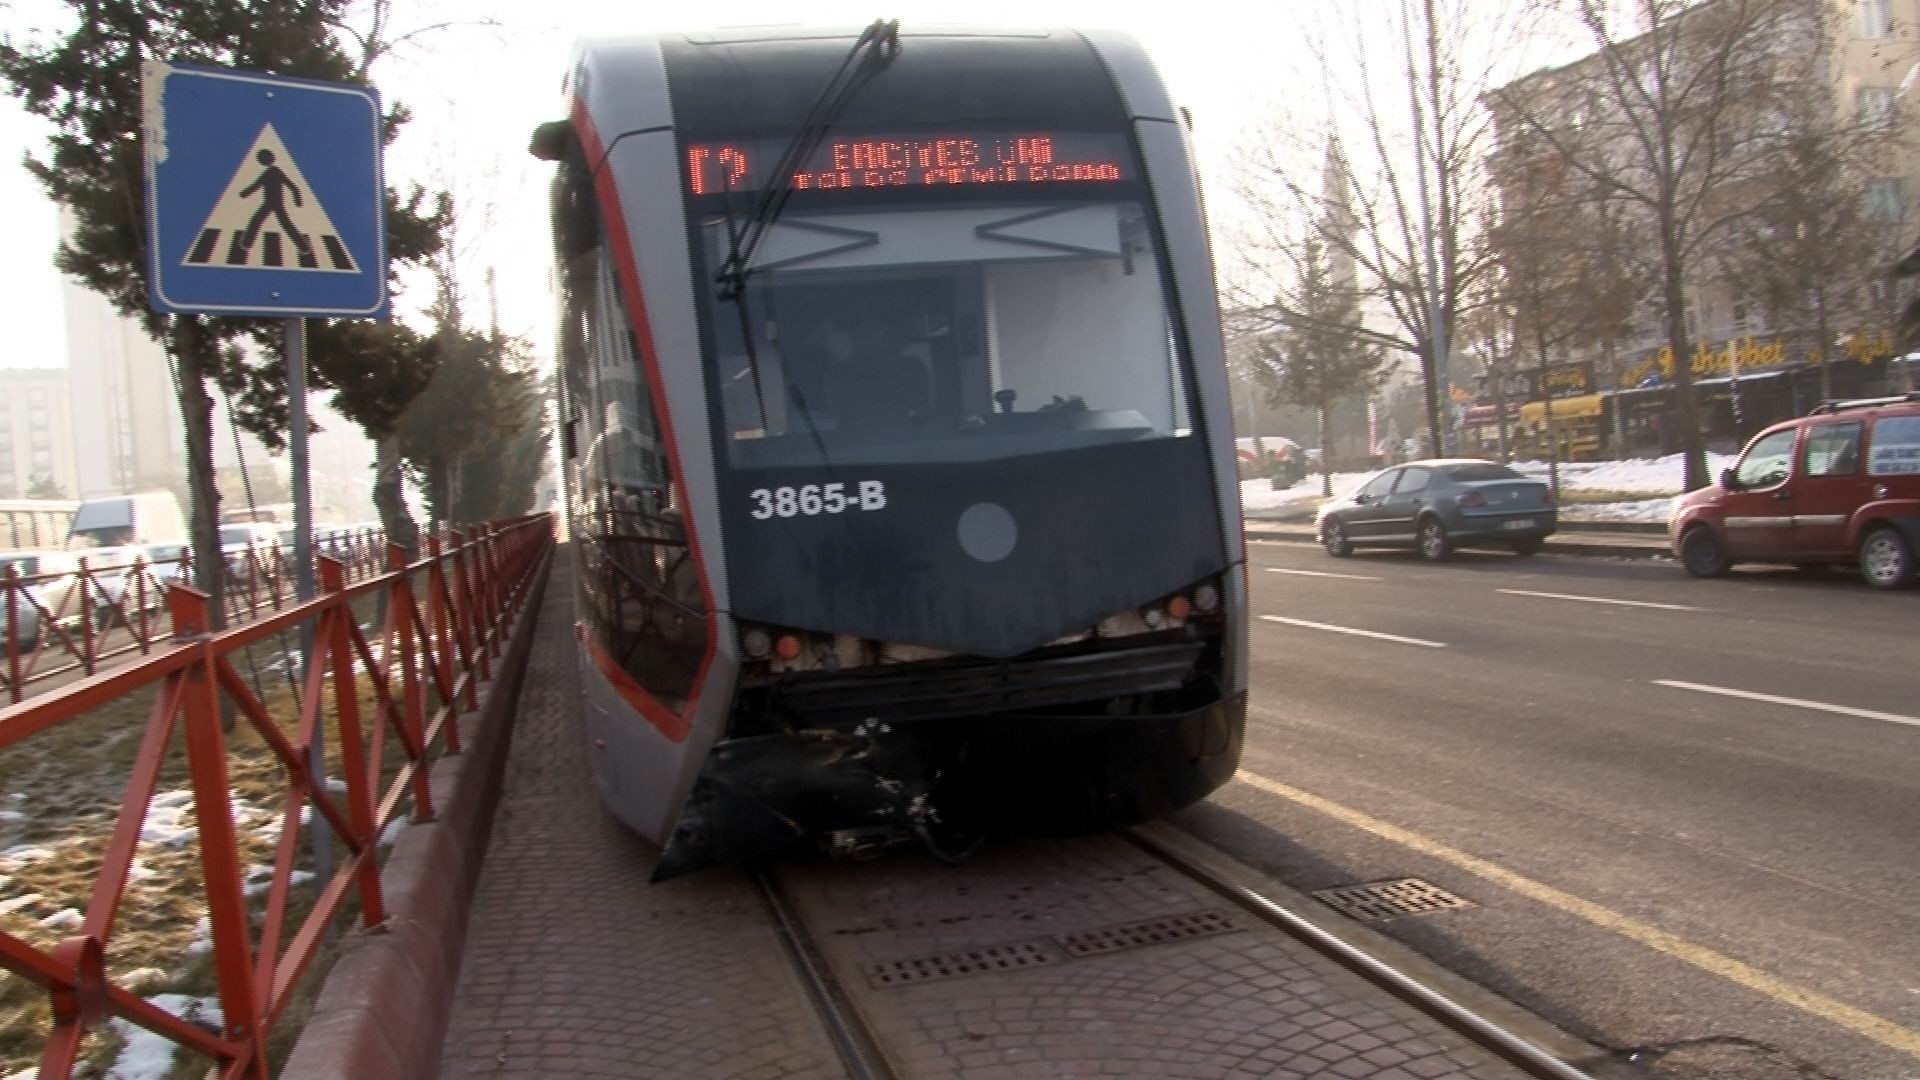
(1252,1003)
(574,965)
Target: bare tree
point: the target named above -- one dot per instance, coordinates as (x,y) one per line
(1563,276)
(1406,106)
(1813,251)
(1676,115)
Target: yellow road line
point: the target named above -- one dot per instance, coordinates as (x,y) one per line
(1859,1021)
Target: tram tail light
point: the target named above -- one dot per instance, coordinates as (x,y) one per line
(1179,608)
(787,647)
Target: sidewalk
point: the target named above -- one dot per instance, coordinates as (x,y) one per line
(575,966)
(1587,543)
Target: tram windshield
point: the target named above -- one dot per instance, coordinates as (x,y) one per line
(929,333)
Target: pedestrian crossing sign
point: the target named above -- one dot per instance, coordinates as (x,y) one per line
(266,218)
(265,194)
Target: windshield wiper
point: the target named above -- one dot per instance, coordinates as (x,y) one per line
(876,47)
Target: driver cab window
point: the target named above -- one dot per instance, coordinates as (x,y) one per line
(1768,461)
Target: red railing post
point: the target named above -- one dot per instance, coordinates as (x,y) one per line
(463,620)
(412,716)
(362,787)
(13,632)
(219,848)
(83,583)
(137,623)
(469,572)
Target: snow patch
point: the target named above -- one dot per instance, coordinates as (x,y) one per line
(23,855)
(146,1056)
(1651,476)
(12,815)
(8,907)
(391,833)
(64,919)
(1656,511)
(202,937)
(1259,494)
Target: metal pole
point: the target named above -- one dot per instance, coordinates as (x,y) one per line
(1436,334)
(303,590)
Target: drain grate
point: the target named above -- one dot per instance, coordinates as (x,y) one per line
(1391,899)
(1147,932)
(953,965)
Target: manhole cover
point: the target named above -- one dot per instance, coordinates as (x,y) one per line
(1147,932)
(1391,899)
(952,965)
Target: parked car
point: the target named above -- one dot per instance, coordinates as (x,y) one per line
(47,581)
(117,598)
(1438,505)
(1839,485)
(249,548)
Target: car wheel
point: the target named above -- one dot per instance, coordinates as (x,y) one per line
(1702,553)
(1333,537)
(1886,559)
(1434,545)
(1526,548)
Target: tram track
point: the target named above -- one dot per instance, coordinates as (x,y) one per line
(854,1042)
(1482,1030)
(866,1052)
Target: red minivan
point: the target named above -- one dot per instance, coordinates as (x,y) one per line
(1841,484)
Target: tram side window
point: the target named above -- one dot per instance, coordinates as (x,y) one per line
(639,590)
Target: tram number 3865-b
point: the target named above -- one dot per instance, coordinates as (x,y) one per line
(809,500)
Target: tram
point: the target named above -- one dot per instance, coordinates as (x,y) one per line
(900,469)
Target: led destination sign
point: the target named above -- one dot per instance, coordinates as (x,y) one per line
(981,160)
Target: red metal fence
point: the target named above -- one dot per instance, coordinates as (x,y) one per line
(448,615)
(110,606)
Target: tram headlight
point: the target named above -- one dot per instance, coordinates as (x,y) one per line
(1207,599)
(756,643)
(1154,617)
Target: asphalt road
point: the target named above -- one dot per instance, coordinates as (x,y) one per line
(1709,884)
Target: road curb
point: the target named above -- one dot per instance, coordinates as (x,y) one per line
(1624,548)
(382,1013)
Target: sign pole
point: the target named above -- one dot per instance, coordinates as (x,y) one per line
(303,590)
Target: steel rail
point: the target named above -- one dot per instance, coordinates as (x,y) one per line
(1487,1033)
(859,1050)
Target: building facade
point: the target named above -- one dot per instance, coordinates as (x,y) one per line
(36,435)
(1612,395)
(125,417)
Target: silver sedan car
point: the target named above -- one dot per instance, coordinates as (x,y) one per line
(1437,506)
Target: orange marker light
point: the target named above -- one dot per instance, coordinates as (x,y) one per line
(788,647)
(1178,609)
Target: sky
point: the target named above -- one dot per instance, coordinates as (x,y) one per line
(477,91)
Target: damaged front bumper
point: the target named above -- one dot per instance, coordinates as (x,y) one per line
(1058,772)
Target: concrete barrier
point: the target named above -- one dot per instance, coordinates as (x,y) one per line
(383,1010)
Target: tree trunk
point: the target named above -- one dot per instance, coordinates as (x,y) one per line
(1429,378)
(1686,409)
(388,498)
(1546,408)
(1326,453)
(195,357)
(1820,339)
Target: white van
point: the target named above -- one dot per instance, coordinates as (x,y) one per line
(150,517)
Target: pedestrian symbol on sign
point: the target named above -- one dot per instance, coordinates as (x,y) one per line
(269,218)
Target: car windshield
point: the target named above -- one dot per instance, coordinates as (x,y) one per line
(1481,470)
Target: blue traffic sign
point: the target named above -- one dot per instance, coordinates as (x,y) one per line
(264,195)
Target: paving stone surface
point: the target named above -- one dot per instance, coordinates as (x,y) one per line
(575,966)
(1250,1002)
